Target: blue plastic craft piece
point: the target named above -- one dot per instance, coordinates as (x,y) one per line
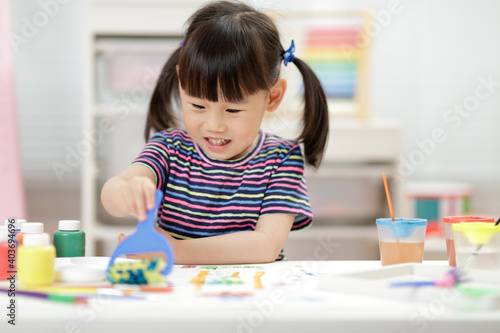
(146,239)
(401,228)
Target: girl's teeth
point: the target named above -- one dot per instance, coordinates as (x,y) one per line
(218,142)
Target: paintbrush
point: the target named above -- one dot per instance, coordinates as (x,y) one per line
(50,297)
(388,195)
(78,294)
(100,289)
(449,280)
(77,297)
(389,202)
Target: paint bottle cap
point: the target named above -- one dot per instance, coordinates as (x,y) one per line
(17,223)
(32,228)
(36,239)
(3,234)
(69,225)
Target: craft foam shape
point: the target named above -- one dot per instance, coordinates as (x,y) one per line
(145,239)
(137,272)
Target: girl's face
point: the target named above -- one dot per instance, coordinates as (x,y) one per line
(225,130)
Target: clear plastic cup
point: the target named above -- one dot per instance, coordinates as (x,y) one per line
(450,243)
(477,245)
(402,240)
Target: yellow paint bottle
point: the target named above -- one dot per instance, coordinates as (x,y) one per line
(35,260)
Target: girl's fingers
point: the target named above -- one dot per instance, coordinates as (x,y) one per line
(128,202)
(147,192)
(150,195)
(139,196)
(140,208)
(121,237)
(132,256)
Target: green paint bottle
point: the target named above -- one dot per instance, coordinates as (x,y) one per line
(69,240)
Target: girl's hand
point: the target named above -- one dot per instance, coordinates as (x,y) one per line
(138,195)
(131,192)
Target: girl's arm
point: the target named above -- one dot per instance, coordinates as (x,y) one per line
(131,192)
(258,246)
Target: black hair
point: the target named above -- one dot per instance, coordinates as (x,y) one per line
(232,50)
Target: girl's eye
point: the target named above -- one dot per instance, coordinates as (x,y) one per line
(199,107)
(233,110)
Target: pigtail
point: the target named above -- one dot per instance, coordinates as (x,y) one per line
(315,117)
(161,114)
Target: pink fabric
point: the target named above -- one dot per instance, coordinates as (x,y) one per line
(12,201)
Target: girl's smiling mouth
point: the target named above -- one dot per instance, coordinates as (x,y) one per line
(217,144)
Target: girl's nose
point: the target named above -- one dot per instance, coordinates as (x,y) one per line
(215,122)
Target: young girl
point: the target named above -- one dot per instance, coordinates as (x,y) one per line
(232,192)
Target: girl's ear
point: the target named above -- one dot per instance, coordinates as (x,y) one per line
(276,95)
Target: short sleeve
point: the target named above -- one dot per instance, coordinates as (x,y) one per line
(287,191)
(155,157)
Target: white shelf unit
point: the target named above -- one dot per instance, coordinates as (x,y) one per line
(348,187)
(358,149)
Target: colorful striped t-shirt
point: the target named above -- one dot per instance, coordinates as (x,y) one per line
(207,197)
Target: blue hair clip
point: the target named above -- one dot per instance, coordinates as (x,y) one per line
(288,55)
(182,41)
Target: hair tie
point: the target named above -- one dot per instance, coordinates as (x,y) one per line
(288,55)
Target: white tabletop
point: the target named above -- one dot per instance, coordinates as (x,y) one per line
(289,301)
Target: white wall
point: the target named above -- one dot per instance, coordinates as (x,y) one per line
(425,58)
(429,59)
(48,76)
(429,62)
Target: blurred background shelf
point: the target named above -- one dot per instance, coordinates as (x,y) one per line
(420,72)
(124,53)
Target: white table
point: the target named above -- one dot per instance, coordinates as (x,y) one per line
(289,302)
